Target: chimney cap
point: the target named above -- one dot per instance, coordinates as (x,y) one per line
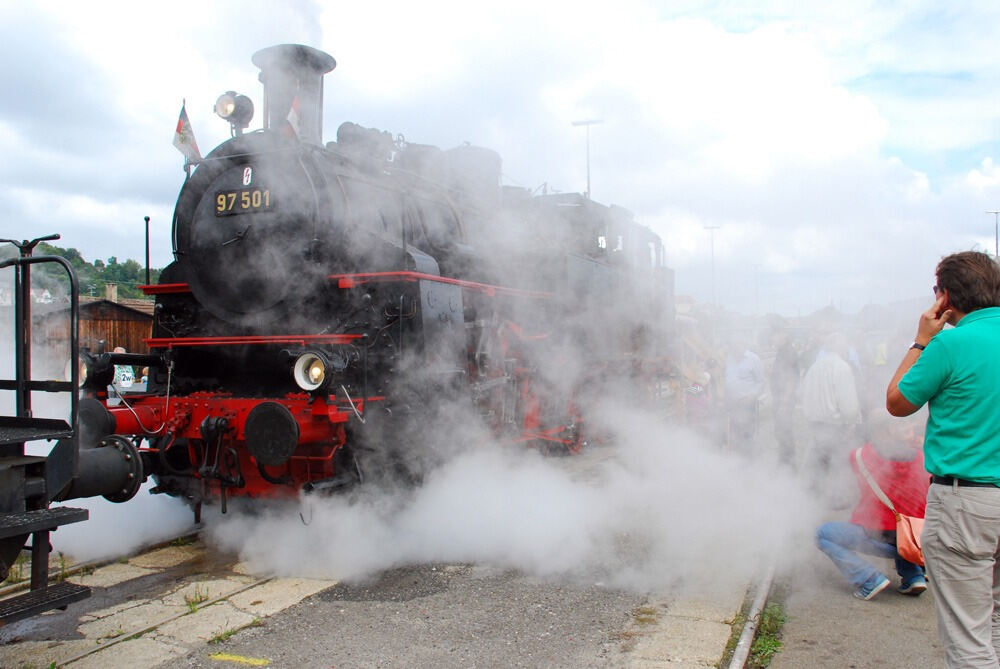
(294,56)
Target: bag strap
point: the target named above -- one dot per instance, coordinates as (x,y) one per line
(871,482)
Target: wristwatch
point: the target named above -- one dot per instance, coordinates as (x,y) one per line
(919,347)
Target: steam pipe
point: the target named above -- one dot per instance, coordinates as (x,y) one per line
(135,418)
(113,469)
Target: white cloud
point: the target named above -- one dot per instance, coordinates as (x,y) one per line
(985,179)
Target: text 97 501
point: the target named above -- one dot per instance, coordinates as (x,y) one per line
(242,201)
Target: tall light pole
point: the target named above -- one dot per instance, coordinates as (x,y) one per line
(996,232)
(146,218)
(587,124)
(711,241)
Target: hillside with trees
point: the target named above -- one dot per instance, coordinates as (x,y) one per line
(92,276)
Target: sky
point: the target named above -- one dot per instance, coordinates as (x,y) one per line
(791,155)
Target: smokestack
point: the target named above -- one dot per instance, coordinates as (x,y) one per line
(293,72)
(111,292)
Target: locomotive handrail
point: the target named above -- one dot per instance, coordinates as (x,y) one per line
(351,280)
(22,383)
(303,340)
(165,288)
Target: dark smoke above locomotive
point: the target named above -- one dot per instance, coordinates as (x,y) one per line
(327,300)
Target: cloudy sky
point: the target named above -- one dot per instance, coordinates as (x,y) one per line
(819,156)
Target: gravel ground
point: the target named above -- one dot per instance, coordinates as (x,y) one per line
(442,616)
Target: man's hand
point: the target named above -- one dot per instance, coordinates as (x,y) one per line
(933,320)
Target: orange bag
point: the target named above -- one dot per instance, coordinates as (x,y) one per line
(908,528)
(908,531)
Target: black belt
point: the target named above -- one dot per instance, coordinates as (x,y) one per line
(950,480)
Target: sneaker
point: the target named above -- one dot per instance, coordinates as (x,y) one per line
(872,587)
(914,587)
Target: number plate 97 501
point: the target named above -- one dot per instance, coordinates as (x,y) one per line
(242,201)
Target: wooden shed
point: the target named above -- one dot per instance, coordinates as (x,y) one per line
(124,323)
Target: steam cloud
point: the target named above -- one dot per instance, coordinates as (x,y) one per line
(660,508)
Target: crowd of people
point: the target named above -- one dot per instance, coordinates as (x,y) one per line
(809,387)
(859,435)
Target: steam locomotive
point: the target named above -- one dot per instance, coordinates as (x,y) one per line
(336,312)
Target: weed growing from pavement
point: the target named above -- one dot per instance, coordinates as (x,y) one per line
(221,636)
(226,633)
(768,641)
(767,638)
(197,597)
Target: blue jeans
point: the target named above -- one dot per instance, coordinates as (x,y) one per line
(841,540)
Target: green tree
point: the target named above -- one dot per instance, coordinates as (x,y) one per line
(91,277)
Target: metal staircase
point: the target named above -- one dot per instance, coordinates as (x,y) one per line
(28,483)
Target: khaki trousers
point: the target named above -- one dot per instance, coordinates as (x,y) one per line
(961,543)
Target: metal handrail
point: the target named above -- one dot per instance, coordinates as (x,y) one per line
(23,383)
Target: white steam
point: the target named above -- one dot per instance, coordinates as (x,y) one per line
(115,530)
(660,508)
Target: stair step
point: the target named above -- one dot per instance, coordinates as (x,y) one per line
(34,602)
(16,430)
(26,522)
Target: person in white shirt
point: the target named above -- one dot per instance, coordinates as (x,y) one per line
(831,408)
(744,384)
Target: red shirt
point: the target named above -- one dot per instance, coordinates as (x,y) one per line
(905,483)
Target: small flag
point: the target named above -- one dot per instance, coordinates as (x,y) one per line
(293,116)
(184,138)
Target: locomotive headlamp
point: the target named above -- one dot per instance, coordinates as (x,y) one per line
(309,371)
(81,371)
(235,108)
(96,371)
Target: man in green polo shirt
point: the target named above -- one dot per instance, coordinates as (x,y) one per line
(956,372)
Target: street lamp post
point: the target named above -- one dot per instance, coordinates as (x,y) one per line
(996,232)
(587,124)
(146,218)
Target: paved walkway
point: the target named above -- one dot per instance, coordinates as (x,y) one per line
(196,606)
(828,628)
(166,588)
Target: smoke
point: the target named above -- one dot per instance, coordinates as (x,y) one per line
(659,508)
(122,529)
(648,504)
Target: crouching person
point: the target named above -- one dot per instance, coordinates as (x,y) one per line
(893,459)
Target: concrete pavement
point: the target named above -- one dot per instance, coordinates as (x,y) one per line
(828,628)
(171,608)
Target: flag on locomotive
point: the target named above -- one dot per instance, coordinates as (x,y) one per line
(293,119)
(184,137)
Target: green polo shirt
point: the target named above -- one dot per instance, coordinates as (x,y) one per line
(958,376)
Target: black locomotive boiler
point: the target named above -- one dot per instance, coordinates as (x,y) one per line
(330,305)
